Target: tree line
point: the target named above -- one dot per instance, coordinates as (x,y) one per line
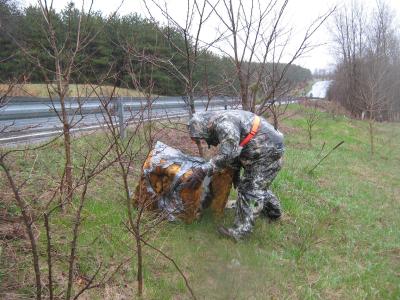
(111,42)
(367,75)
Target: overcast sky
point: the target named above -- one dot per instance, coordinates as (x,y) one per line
(299,14)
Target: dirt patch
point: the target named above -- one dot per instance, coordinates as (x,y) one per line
(15,260)
(75,90)
(178,137)
(332,107)
(11,226)
(288,130)
(11,230)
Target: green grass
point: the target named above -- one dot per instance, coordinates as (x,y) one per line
(339,237)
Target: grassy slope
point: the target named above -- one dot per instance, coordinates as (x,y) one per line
(338,239)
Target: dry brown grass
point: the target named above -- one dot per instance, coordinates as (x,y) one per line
(83,90)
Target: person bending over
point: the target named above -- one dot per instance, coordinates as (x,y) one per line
(245,141)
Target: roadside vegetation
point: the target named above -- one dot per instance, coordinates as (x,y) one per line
(338,237)
(68,228)
(366,41)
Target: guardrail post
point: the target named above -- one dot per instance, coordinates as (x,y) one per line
(188,105)
(225,103)
(121,118)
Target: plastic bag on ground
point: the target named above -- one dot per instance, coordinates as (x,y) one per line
(162,186)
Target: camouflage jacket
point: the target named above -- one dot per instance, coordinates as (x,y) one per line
(227,129)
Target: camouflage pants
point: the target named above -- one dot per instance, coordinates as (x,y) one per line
(254,195)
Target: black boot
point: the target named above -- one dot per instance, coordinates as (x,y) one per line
(232,233)
(271,212)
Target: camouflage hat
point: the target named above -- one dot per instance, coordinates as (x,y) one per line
(195,128)
(198,125)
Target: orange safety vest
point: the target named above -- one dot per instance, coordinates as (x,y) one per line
(254,129)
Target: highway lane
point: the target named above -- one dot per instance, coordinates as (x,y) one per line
(320,89)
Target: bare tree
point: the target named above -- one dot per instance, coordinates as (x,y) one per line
(130,152)
(198,12)
(257,44)
(27,219)
(38,206)
(31,205)
(312,116)
(63,51)
(5,92)
(350,42)
(366,77)
(277,108)
(16,189)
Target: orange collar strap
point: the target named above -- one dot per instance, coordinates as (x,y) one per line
(254,129)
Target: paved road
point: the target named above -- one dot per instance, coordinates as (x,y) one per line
(320,89)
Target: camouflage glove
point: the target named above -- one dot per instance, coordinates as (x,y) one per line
(196,178)
(236,178)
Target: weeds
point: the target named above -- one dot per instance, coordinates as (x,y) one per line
(338,237)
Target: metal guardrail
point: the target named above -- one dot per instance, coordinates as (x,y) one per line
(122,106)
(46,108)
(58,131)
